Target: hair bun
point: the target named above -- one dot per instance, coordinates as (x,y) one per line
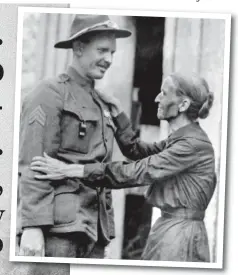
(204,110)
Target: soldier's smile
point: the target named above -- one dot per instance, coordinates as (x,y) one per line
(102,68)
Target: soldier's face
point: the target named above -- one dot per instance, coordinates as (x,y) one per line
(96,56)
(168,101)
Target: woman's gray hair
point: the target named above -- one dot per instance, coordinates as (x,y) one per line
(197,90)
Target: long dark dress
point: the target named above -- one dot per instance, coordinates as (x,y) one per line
(181,175)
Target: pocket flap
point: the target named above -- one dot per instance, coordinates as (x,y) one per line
(82,112)
(89,114)
(73,109)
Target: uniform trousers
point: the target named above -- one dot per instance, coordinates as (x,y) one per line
(72,245)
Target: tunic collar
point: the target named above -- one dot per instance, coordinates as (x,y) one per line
(79,79)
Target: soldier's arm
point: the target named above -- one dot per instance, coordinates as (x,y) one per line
(130,145)
(40,132)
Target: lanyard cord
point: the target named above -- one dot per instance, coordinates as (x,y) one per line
(100,189)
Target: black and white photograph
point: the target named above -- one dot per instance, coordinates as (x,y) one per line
(120,137)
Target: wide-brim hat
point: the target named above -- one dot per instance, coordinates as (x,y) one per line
(83,24)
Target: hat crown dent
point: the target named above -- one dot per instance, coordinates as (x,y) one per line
(85,21)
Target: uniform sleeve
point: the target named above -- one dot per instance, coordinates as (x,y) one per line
(151,170)
(40,132)
(130,145)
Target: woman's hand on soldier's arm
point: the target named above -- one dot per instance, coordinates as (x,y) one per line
(113,102)
(54,169)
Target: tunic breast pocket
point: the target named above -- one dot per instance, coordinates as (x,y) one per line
(77,129)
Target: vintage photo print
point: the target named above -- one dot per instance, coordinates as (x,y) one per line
(120,137)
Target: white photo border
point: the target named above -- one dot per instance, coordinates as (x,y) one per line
(223,148)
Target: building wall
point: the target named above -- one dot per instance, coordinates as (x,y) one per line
(40,58)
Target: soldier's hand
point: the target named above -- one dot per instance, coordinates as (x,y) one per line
(115,105)
(32,242)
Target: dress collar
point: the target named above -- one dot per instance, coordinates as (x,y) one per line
(192,129)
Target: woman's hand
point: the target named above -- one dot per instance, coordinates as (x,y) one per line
(54,169)
(113,102)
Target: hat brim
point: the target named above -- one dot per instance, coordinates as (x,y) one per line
(67,44)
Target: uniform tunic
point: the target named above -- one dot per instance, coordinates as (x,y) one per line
(65,118)
(180,172)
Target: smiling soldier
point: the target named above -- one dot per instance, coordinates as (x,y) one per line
(66,118)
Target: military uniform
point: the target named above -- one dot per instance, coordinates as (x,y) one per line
(65,118)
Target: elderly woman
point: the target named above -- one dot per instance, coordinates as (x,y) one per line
(180,170)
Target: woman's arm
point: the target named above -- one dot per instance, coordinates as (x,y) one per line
(130,145)
(150,170)
(116,175)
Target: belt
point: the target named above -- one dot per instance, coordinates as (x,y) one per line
(183,213)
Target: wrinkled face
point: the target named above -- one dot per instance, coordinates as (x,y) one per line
(168,101)
(96,56)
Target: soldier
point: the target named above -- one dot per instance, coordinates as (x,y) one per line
(66,118)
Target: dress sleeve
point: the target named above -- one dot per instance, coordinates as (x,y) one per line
(40,132)
(151,170)
(130,145)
